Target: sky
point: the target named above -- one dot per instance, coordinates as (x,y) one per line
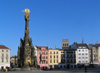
(51,21)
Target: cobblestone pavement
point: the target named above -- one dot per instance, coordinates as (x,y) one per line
(90,70)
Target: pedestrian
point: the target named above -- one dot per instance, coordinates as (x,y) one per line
(2,68)
(85,69)
(6,68)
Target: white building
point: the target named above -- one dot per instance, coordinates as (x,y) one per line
(4,56)
(82,53)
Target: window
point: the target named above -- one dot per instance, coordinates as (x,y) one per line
(71,55)
(85,53)
(43,57)
(86,57)
(54,56)
(6,55)
(82,50)
(46,57)
(46,62)
(57,56)
(2,60)
(57,61)
(79,50)
(79,61)
(65,44)
(54,61)
(82,53)
(67,60)
(79,57)
(50,52)
(54,52)
(71,60)
(79,54)
(83,61)
(50,56)
(43,52)
(6,50)
(86,50)
(2,50)
(46,53)
(82,57)
(57,52)
(6,60)
(40,62)
(50,61)
(86,61)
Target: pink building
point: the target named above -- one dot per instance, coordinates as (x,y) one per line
(43,57)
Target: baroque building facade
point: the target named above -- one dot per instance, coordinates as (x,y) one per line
(26,56)
(62,63)
(54,59)
(4,56)
(82,53)
(43,57)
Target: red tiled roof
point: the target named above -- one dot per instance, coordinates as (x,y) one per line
(3,47)
(98,44)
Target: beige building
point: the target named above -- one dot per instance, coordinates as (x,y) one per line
(99,53)
(93,53)
(4,56)
(54,58)
(65,44)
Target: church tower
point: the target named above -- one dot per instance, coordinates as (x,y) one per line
(26,56)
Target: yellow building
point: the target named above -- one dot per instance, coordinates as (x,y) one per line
(53,58)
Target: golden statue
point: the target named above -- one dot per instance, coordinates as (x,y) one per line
(27,13)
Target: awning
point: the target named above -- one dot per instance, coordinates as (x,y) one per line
(45,66)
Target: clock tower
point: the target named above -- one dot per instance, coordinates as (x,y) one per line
(26,56)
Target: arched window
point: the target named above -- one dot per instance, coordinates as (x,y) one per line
(54,52)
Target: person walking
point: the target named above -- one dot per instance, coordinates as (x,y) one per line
(85,69)
(6,68)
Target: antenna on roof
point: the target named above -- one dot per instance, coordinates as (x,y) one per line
(82,41)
